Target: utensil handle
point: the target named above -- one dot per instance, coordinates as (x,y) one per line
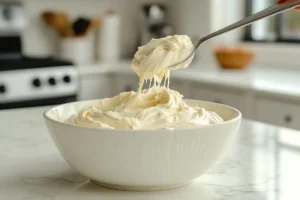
(272,10)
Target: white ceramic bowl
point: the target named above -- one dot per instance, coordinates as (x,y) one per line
(142,160)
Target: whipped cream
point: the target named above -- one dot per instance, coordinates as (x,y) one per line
(157,107)
(152,60)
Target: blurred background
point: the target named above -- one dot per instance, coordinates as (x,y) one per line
(56,51)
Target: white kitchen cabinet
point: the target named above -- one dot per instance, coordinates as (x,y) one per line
(236,99)
(129,82)
(96,86)
(278,112)
(125,83)
(181,86)
(271,106)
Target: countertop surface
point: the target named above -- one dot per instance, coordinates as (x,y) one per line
(262,163)
(283,82)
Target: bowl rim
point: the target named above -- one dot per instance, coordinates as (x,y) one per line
(237,118)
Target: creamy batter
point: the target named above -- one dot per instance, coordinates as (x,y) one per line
(157,107)
(152,60)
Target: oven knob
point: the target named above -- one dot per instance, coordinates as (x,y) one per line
(2,89)
(67,79)
(36,83)
(52,81)
(7,13)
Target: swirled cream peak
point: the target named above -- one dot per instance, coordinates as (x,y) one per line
(156,108)
(153,59)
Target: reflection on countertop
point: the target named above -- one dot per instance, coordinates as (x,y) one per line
(262,164)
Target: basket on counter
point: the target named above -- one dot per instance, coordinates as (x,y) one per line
(233,58)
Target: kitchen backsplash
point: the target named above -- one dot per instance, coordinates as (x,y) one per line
(39,40)
(191,17)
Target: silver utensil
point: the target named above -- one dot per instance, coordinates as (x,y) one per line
(272,10)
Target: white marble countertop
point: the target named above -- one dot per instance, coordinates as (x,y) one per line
(262,164)
(276,81)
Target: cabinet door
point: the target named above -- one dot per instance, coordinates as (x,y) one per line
(278,113)
(181,86)
(125,83)
(95,87)
(227,97)
(204,94)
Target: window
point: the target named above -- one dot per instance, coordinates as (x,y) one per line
(284,27)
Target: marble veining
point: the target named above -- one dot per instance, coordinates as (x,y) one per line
(262,164)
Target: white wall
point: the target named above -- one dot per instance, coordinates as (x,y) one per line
(39,40)
(195,18)
(224,13)
(192,17)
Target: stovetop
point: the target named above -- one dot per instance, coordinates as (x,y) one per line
(26,62)
(29,79)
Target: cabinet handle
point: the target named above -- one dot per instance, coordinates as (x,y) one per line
(217,101)
(128,88)
(288,119)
